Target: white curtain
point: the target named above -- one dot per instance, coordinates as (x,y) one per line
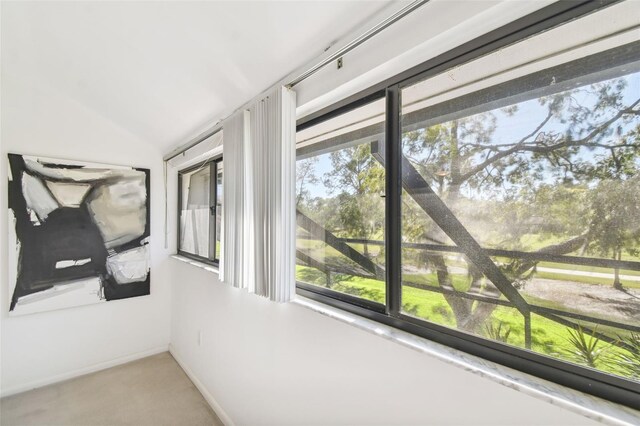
(232,264)
(259,226)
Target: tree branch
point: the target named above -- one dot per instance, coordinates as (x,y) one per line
(521,145)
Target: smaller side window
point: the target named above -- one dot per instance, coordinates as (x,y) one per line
(200,211)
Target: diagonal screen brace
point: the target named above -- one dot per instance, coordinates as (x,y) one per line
(312,262)
(306,223)
(428,200)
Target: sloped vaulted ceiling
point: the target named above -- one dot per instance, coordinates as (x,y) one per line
(163,70)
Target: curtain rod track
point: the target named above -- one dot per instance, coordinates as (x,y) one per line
(358,41)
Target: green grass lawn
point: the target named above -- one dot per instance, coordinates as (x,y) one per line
(548,337)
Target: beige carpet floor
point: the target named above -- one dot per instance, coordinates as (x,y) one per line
(150,391)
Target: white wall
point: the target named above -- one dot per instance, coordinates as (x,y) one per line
(269,363)
(45,347)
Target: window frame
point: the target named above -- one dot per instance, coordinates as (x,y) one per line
(212,163)
(612,388)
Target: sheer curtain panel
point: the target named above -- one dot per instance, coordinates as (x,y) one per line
(271,174)
(232,265)
(260,222)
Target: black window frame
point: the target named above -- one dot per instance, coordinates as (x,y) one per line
(609,387)
(212,163)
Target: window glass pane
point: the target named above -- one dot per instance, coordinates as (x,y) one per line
(340,204)
(521,211)
(194,212)
(219,204)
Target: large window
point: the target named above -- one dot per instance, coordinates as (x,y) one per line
(340,205)
(521,212)
(200,211)
(493,205)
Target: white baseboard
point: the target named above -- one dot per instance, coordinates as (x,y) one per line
(222,415)
(81,371)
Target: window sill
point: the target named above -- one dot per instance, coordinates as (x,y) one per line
(589,406)
(195,263)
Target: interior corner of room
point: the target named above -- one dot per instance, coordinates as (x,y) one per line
(357,212)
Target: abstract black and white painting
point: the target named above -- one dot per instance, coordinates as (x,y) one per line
(78,233)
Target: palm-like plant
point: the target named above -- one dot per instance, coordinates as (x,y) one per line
(495,331)
(629,360)
(587,346)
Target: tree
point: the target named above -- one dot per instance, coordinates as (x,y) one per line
(358,181)
(583,136)
(305,175)
(615,220)
(507,184)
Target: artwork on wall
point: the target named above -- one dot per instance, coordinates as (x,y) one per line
(78,233)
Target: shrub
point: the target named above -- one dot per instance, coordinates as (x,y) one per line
(629,361)
(496,331)
(586,347)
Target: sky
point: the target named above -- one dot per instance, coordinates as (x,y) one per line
(508,129)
